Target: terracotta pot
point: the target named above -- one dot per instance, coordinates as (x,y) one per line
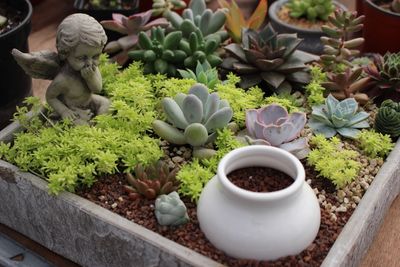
(261,226)
(15,85)
(311,37)
(381,29)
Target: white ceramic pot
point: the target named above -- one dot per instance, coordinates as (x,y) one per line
(262,226)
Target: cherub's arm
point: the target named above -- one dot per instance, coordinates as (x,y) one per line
(93,79)
(53,92)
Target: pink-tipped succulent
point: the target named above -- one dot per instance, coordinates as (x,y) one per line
(272,125)
(131,26)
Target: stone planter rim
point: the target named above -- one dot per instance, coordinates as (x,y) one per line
(276,6)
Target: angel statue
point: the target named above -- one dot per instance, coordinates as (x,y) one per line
(73,69)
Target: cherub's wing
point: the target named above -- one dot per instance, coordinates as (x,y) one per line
(39,65)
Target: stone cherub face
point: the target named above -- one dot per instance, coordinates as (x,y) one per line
(84,56)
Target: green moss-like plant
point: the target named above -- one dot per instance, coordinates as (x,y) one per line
(375,144)
(194,176)
(289,102)
(332,161)
(314,90)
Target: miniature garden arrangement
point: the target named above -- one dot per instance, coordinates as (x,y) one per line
(209,127)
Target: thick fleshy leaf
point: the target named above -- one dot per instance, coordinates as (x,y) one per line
(252,141)
(219,119)
(304,56)
(298,119)
(357,118)
(174,113)
(270,114)
(338,122)
(299,77)
(160,22)
(250,80)
(253,55)
(319,114)
(348,132)
(169,133)
(331,104)
(258,16)
(112,47)
(244,68)
(321,128)
(273,78)
(192,108)
(259,130)
(236,51)
(114,26)
(268,65)
(117,17)
(276,135)
(346,108)
(284,89)
(211,106)
(201,91)
(298,147)
(127,42)
(361,124)
(292,65)
(198,7)
(251,118)
(289,41)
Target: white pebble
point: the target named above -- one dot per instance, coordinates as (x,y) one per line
(114,205)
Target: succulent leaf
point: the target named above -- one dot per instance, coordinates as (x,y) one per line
(170,210)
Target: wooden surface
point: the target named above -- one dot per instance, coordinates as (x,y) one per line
(385,251)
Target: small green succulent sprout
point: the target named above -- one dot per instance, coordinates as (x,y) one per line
(160,53)
(205,74)
(3,21)
(375,144)
(152,181)
(161,7)
(272,125)
(170,210)
(195,117)
(312,10)
(198,16)
(338,117)
(387,121)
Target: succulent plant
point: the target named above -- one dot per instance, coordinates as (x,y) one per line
(270,57)
(160,53)
(197,16)
(170,210)
(387,121)
(338,117)
(273,126)
(129,26)
(338,46)
(200,49)
(151,181)
(311,9)
(385,76)
(347,84)
(194,117)
(235,19)
(204,74)
(160,7)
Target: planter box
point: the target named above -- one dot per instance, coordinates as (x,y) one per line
(93,236)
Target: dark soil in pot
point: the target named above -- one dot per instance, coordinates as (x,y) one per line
(15,85)
(309,31)
(109,193)
(104,12)
(260,179)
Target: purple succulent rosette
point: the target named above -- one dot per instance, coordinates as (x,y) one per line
(131,26)
(272,125)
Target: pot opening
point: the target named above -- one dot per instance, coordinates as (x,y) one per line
(16,15)
(260,179)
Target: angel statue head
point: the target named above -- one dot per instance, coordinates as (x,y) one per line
(80,41)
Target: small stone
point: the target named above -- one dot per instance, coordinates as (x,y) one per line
(341,194)
(178,159)
(101,198)
(364,185)
(341,209)
(179,153)
(308,181)
(120,199)
(187,154)
(114,205)
(356,199)
(333,217)
(346,200)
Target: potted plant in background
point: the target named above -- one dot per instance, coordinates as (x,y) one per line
(304,18)
(103,9)
(15,26)
(383,36)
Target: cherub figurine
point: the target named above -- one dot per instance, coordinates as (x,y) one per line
(74,69)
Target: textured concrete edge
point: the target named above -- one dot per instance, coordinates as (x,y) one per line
(182,254)
(359,232)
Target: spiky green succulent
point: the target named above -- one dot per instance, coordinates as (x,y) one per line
(339,47)
(338,117)
(311,9)
(170,210)
(194,118)
(385,74)
(387,121)
(152,181)
(160,53)
(197,16)
(204,74)
(270,57)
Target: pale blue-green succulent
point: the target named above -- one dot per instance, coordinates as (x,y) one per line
(170,210)
(338,117)
(194,118)
(204,74)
